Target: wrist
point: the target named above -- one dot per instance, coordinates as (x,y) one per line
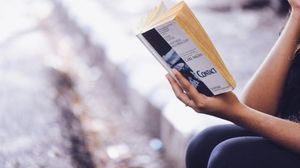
(236,111)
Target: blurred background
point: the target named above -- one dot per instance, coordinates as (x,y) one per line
(78,89)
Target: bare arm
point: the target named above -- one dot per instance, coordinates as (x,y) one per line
(265,88)
(280,131)
(227,106)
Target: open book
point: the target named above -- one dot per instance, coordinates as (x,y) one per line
(177,40)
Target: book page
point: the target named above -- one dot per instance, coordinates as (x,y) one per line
(152,15)
(170,3)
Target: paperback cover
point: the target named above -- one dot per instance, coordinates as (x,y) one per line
(178,41)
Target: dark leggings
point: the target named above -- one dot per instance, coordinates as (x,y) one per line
(230,146)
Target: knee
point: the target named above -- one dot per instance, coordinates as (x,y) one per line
(202,140)
(219,156)
(224,155)
(201,145)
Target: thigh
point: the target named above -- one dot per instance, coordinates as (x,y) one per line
(200,147)
(250,152)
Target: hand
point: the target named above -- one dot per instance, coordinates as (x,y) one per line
(222,106)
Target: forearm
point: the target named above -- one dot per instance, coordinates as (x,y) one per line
(264,89)
(277,130)
(228,107)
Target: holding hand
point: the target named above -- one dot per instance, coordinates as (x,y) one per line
(222,106)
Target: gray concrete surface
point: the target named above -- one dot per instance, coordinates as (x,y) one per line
(30,122)
(60,103)
(36,129)
(116,135)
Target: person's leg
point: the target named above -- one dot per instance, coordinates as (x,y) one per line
(252,152)
(199,149)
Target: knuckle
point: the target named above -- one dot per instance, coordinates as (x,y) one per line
(181,81)
(185,82)
(189,87)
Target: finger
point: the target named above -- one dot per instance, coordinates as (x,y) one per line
(179,92)
(191,104)
(190,90)
(176,88)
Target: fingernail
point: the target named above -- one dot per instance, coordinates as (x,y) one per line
(175,71)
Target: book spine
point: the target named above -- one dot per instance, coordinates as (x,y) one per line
(154,53)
